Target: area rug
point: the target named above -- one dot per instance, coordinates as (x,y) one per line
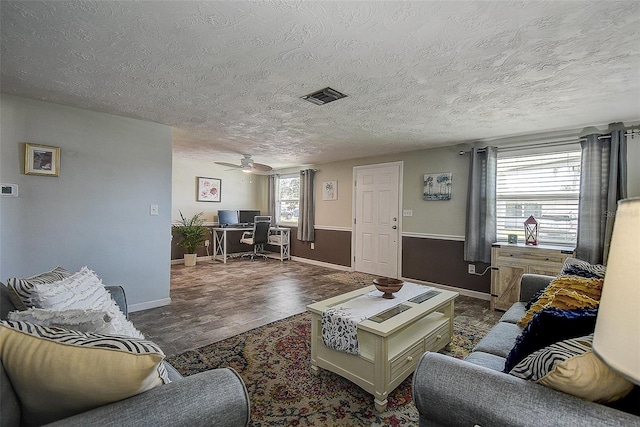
(273,361)
(355,278)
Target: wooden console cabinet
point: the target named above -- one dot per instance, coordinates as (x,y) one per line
(510,261)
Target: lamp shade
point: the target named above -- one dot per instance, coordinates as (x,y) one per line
(617,335)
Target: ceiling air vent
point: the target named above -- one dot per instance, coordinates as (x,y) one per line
(324,96)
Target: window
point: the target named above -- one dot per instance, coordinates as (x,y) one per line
(288,198)
(546,186)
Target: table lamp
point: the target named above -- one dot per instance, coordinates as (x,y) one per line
(616,339)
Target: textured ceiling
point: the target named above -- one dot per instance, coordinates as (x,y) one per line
(228,75)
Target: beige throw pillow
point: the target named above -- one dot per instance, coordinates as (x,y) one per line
(57,373)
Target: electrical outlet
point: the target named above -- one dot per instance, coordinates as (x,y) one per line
(472,269)
(313,245)
(206,243)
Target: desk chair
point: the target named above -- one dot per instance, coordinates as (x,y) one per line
(258,237)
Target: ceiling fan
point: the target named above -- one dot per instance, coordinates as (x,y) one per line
(249,166)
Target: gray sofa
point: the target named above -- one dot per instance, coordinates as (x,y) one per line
(475,391)
(213,398)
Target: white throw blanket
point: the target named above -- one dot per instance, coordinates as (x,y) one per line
(340,323)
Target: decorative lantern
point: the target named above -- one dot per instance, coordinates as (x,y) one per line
(531,231)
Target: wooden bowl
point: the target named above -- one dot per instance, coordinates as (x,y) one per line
(388,286)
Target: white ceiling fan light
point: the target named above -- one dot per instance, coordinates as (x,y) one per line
(247,165)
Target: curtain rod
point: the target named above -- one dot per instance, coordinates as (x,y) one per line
(632,133)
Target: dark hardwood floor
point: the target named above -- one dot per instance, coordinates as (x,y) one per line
(213,301)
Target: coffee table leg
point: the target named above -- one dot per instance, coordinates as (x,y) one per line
(381,405)
(315,370)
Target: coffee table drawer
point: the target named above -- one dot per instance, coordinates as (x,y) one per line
(406,360)
(434,341)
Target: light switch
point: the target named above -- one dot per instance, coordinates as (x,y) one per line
(407,212)
(153,210)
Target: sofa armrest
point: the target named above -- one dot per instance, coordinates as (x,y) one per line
(532,283)
(119,296)
(212,398)
(452,392)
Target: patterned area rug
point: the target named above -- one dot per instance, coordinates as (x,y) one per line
(360,279)
(274,361)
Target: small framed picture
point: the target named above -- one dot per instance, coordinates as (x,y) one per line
(209,189)
(330,190)
(41,160)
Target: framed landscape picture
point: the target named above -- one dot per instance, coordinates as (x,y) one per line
(209,189)
(437,186)
(41,160)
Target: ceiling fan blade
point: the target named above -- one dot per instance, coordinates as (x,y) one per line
(231,165)
(260,172)
(261,167)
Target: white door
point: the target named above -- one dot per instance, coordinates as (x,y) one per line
(377,224)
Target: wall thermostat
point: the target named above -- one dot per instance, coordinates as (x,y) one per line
(9,190)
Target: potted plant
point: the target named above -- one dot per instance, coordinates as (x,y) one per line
(193,235)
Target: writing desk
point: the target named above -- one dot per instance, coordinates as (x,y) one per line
(278,236)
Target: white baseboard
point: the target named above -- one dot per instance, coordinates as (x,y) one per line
(149,304)
(466,292)
(200,258)
(321,264)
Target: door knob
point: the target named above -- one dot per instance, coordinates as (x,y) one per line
(395,227)
(395,219)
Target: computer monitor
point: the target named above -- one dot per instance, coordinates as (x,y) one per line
(246,217)
(227,217)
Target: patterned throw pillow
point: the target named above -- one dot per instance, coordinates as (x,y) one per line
(57,373)
(566,292)
(548,326)
(571,366)
(21,288)
(85,291)
(577,267)
(76,319)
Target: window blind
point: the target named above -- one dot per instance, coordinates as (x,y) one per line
(546,186)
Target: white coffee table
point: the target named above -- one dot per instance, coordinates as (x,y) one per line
(389,349)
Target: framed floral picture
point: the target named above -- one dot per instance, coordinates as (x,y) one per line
(209,189)
(41,160)
(330,190)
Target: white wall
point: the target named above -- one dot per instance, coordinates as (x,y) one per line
(96,212)
(238,190)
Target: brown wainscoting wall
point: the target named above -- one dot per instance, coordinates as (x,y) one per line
(331,246)
(442,261)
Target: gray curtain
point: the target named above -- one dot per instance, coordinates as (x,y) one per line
(480,232)
(306,216)
(603,181)
(271,196)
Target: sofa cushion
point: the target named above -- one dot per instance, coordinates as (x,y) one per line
(21,288)
(515,313)
(75,319)
(500,339)
(566,292)
(548,326)
(487,360)
(85,291)
(572,367)
(57,373)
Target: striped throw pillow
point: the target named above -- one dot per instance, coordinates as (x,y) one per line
(571,366)
(22,288)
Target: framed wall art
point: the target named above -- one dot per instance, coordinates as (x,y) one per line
(209,189)
(41,160)
(437,186)
(330,190)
